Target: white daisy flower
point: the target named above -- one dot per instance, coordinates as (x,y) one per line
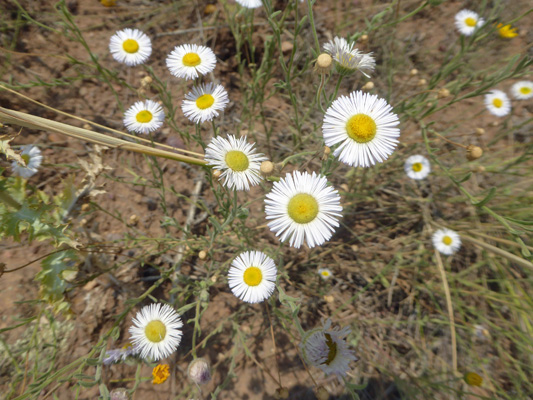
(189,61)
(237,160)
(325,273)
(156,331)
(326,348)
(252,276)
(498,103)
(303,206)
(446,241)
(204,102)
(130,47)
(522,90)
(250,3)
(467,22)
(348,59)
(417,167)
(144,117)
(364,124)
(32,157)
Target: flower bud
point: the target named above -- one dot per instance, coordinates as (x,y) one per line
(323,63)
(368,86)
(281,393)
(364,38)
(202,255)
(119,394)
(216,173)
(413,72)
(199,371)
(473,152)
(210,9)
(422,82)
(480,131)
(322,393)
(443,93)
(267,167)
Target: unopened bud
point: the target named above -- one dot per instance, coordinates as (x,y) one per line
(210,9)
(413,72)
(145,82)
(443,93)
(480,131)
(322,393)
(133,219)
(267,167)
(494,123)
(85,207)
(473,152)
(478,168)
(327,150)
(199,371)
(119,394)
(364,38)
(217,173)
(368,86)
(202,255)
(88,127)
(323,63)
(422,82)
(281,393)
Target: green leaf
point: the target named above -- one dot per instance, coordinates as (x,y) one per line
(481,203)
(53,285)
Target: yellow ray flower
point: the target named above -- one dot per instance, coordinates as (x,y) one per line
(160,374)
(506,31)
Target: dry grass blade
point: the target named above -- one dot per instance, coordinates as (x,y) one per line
(33,122)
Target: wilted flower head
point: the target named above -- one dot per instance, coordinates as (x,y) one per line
(348,59)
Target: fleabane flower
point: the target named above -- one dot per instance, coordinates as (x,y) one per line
(144,117)
(498,103)
(130,46)
(237,160)
(252,276)
(365,127)
(189,61)
(446,241)
(417,167)
(114,356)
(250,3)
(156,331)
(467,22)
(325,273)
(32,157)
(204,102)
(302,207)
(522,90)
(326,348)
(348,59)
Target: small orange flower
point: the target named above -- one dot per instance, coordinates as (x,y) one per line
(160,374)
(506,31)
(473,379)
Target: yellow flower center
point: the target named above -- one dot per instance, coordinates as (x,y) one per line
(26,158)
(205,101)
(417,167)
(160,374)
(155,331)
(302,208)
(253,276)
(332,349)
(237,160)
(144,116)
(130,46)
(191,60)
(473,379)
(497,103)
(525,90)
(471,22)
(361,128)
(447,240)
(325,273)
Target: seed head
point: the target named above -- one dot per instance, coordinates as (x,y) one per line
(199,371)
(473,152)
